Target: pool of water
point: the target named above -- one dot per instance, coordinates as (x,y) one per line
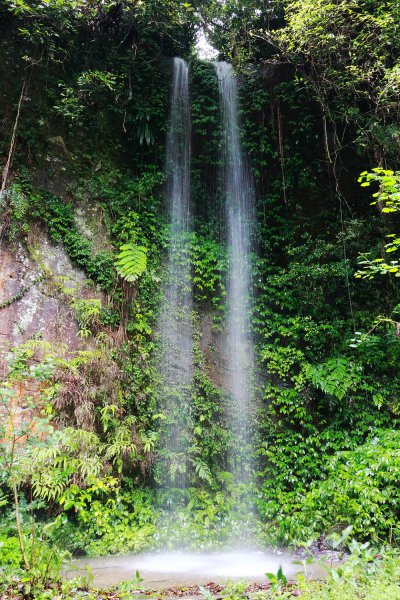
(169,569)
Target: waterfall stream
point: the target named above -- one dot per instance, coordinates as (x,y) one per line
(239,208)
(175,326)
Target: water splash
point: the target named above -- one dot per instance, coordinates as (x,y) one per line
(175,326)
(239,202)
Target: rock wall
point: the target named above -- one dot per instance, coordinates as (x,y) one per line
(33,303)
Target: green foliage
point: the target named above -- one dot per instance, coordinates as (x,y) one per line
(388,195)
(88,92)
(360,490)
(59,218)
(337,377)
(71,454)
(131,262)
(10,551)
(88,311)
(22,438)
(349,53)
(209,270)
(387,198)
(206,131)
(143,129)
(205,519)
(118,522)
(18,206)
(370,573)
(278,581)
(237,27)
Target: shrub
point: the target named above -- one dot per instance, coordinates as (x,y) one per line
(361,489)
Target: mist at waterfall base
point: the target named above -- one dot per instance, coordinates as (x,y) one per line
(163,570)
(171,569)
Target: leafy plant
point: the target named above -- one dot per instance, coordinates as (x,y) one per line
(336,377)
(133,585)
(278,580)
(359,491)
(88,311)
(387,198)
(131,262)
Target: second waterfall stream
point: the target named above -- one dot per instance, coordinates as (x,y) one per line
(238,192)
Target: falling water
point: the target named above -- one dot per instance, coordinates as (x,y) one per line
(239,201)
(176,364)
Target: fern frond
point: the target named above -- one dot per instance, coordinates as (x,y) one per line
(131,262)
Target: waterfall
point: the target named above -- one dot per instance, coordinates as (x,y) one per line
(176,368)
(175,326)
(238,192)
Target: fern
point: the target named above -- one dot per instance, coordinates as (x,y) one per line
(335,377)
(202,470)
(74,455)
(131,262)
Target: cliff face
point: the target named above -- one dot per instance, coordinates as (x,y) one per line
(37,284)
(32,307)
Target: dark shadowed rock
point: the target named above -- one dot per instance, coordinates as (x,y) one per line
(275,72)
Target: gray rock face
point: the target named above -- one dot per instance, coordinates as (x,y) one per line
(32,302)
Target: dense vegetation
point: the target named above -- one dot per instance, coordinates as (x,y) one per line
(85,102)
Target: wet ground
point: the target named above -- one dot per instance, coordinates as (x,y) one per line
(171,569)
